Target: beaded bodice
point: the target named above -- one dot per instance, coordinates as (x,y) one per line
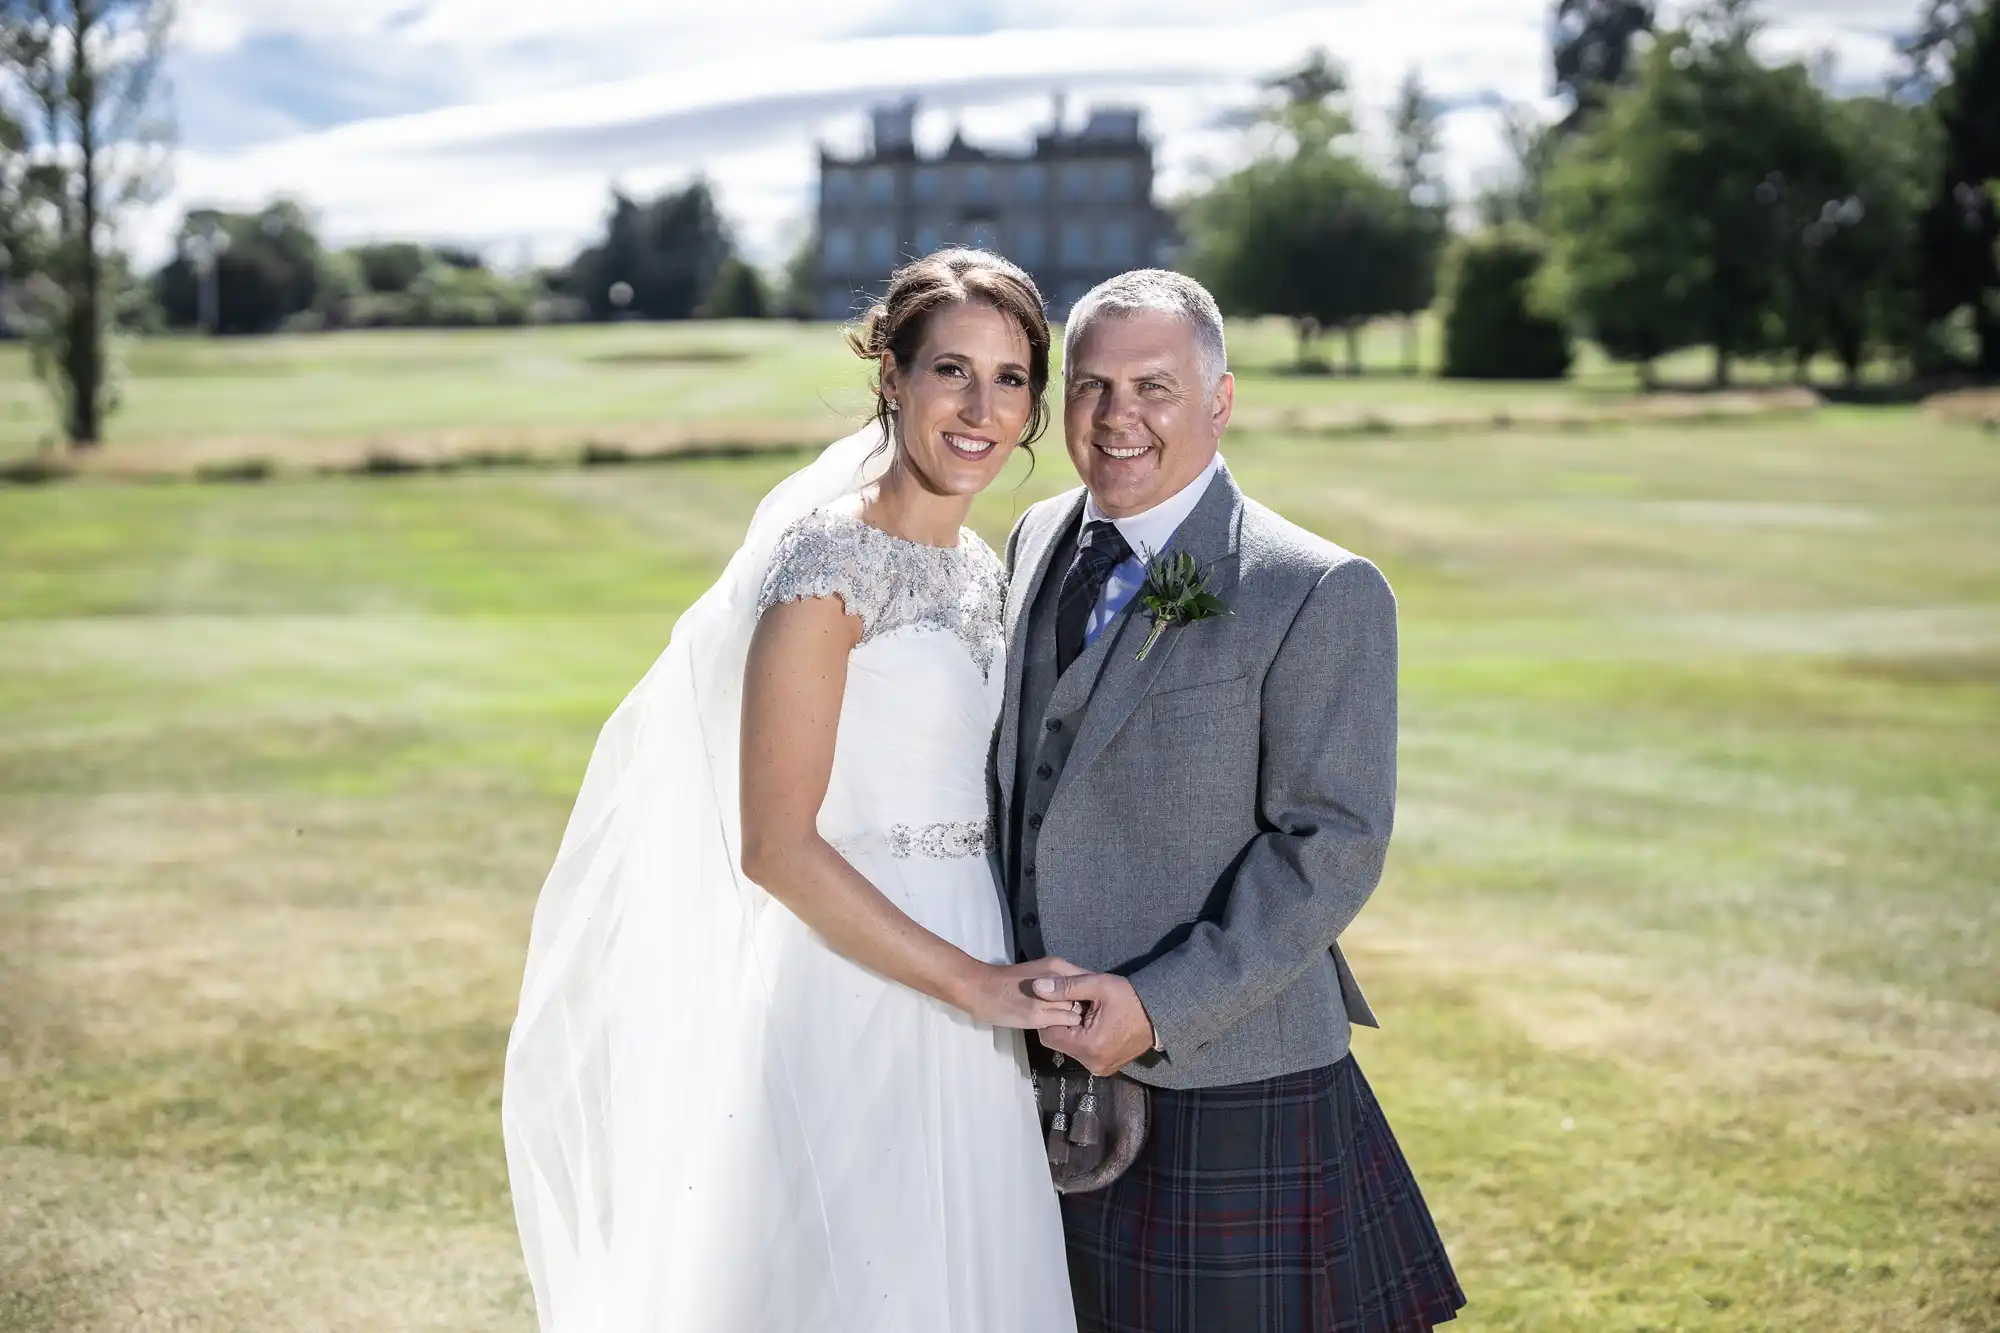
(892,583)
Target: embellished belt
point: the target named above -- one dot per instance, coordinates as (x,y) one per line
(949,841)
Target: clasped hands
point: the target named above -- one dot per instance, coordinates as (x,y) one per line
(1115,1029)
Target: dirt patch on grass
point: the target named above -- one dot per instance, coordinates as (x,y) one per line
(1972,407)
(95,1246)
(671,356)
(254,458)
(1650,409)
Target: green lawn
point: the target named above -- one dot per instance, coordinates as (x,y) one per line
(1688,952)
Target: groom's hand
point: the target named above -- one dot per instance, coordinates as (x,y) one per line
(1115,1029)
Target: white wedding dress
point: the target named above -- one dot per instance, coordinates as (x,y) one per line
(714,1122)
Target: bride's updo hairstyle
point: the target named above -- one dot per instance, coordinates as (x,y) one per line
(925,286)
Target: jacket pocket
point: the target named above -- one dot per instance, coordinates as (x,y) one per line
(1192,699)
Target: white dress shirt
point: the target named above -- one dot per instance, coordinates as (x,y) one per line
(1147,532)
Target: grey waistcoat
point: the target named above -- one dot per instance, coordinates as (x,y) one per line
(1208,821)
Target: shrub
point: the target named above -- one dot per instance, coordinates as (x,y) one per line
(1492,327)
(236,470)
(738,293)
(387,463)
(34,470)
(599,454)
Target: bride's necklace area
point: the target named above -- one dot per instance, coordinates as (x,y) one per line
(894,583)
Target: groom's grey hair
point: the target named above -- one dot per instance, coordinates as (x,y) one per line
(1167,292)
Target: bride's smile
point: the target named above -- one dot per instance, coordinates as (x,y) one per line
(961,402)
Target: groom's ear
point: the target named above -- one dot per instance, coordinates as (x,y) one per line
(1222,405)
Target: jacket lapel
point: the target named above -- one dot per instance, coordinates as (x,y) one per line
(1210,534)
(1031,568)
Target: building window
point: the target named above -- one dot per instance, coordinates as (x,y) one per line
(1027,248)
(836,305)
(839,187)
(1075,245)
(839,249)
(928,184)
(881,248)
(929,239)
(1117,247)
(1031,182)
(881,185)
(1074,181)
(1117,181)
(982,235)
(978,185)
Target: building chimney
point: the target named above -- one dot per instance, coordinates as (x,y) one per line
(895,127)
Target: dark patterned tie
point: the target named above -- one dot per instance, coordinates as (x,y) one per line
(1101,549)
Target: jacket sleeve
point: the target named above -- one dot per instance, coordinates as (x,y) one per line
(1326,798)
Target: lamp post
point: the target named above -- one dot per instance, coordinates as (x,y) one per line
(204,250)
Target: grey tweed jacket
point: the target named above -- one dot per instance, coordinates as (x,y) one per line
(1206,822)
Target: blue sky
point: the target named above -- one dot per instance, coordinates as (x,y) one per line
(503,124)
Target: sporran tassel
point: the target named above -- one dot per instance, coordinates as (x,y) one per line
(1058,1137)
(1084,1131)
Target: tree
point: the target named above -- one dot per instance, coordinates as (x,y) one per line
(1493,326)
(1306,230)
(85,74)
(1310,104)
(1676,214)
(800,298)
(1848,266)
(1418,142)
(1516,197)
(391,268)
(270,271)
(1928,52)
(738,294)
(22,234)
(1594,46)
(1316,238)
(448,295)
(1961,225)
(669,254)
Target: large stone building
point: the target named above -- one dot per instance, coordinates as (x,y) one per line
(1074,210)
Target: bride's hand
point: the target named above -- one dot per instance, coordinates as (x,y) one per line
(1003,997)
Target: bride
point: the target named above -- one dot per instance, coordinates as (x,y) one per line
(768,1074)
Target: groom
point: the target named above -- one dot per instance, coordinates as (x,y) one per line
(1200,824)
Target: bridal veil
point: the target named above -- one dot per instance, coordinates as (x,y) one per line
(644,1080)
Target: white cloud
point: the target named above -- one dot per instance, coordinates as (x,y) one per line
(553,103)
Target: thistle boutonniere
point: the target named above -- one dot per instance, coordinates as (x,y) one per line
(1176,593)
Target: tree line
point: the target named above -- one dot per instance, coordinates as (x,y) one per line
(671,257)
(1692,194)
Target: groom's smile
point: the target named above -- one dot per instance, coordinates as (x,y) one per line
(1139,418)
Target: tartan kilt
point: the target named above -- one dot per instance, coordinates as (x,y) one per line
(1282,1206)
